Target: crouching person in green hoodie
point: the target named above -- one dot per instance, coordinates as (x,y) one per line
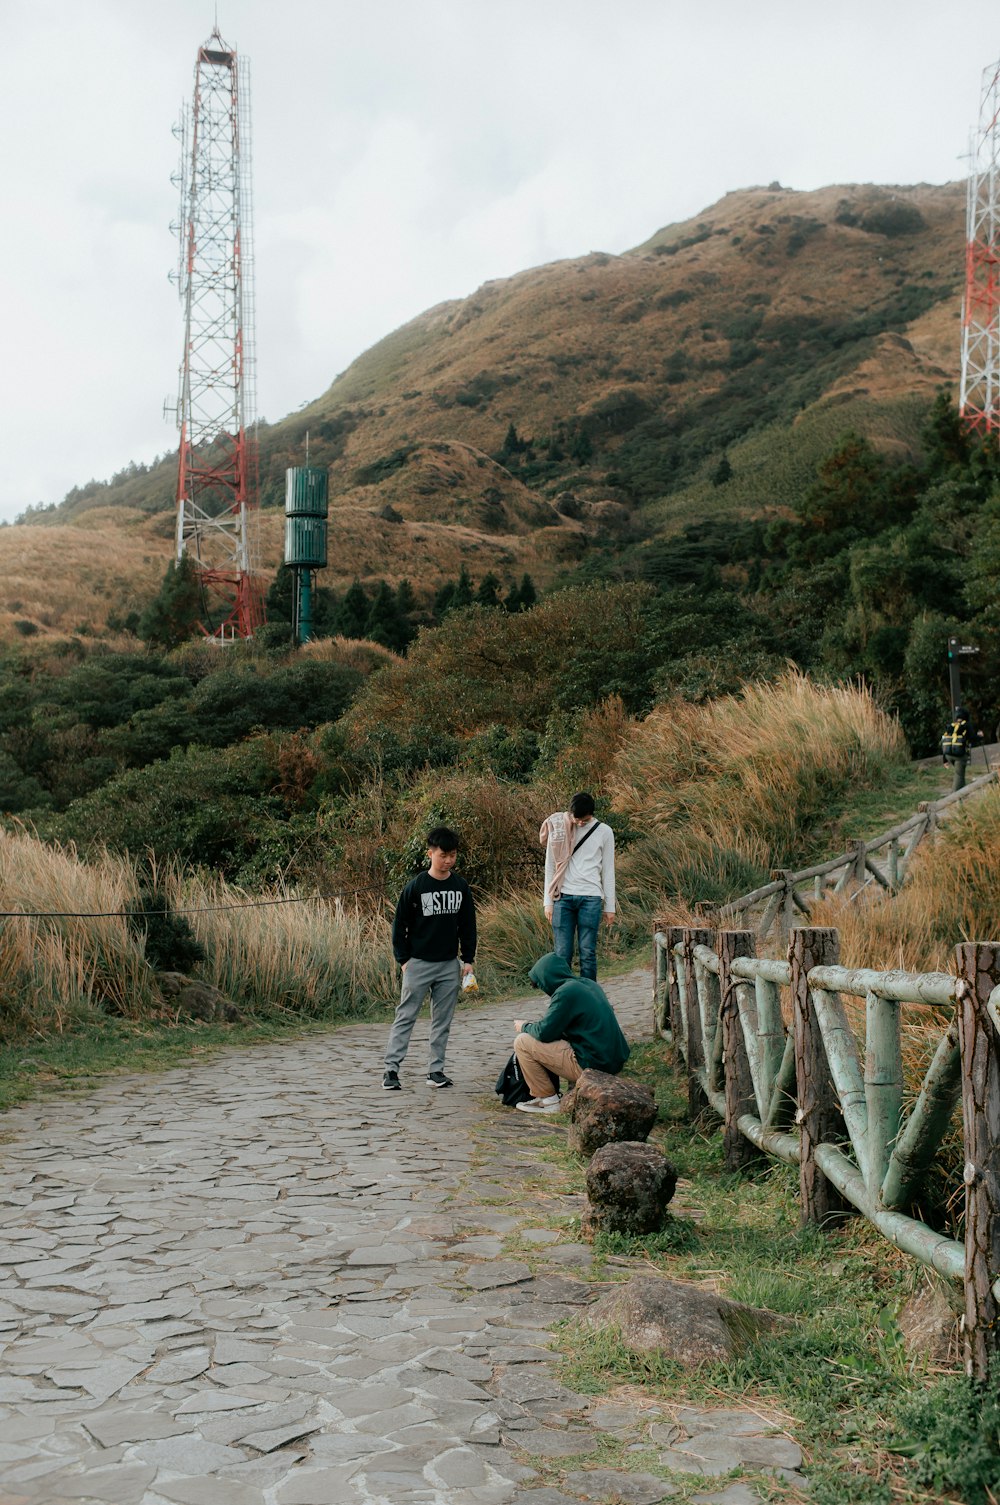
(578,1032)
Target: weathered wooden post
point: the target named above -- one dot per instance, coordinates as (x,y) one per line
(787,903)
(978,966)
(697,1101)
(818,1116)
(893,865)
(740,1097)
(860,851)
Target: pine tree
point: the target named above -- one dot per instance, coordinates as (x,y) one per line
(173,616)
(278,603)
(582,450)
(723,472)
(463,590)
(352,617)
(527,593)
(385,623)
(513,445)
(444,597)
(406,605)
(488,593)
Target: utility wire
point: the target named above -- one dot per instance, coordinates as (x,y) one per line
(141,914)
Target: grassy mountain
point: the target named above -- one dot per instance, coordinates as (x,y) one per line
(578,413)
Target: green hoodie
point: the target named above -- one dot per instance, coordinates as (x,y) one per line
(580,1013)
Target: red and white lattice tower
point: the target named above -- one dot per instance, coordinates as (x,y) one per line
(217,467)
(979,399)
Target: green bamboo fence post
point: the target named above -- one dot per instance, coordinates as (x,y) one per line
(927,1124)
(978,966)
(770,1037)
(711,1026)
(846,1071)
(780,1110)
(740,1095)
(818,1118)
(676,1016)
(661,985)
(697,1099)
(883,1086)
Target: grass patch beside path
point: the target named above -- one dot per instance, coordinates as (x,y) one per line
(868,1417)
(873,810)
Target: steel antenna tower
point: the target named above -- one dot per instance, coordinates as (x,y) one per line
(217,464)
(979,400)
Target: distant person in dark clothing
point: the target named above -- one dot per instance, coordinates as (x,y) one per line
(435,921)
(956,744)
(579,1031)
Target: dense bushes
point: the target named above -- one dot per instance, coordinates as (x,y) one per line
(485,668)
(70,727)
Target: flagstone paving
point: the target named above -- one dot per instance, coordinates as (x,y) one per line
(262,1280)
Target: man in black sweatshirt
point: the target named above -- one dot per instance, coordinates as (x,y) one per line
(435,919)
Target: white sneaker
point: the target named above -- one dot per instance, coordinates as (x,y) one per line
(540,1104)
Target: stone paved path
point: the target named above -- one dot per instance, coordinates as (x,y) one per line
(265,1281)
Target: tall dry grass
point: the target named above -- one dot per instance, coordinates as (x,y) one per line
(54,970)
(951,894)
(752,773)
(60,578)
(309,957)
(353,653)
(58,966)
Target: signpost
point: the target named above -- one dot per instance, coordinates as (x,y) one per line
(957,650)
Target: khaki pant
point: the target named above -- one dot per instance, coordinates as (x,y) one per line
(557,1056)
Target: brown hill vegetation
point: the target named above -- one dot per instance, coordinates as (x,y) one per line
(581,410)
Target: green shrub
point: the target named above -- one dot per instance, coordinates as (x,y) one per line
(952,1434)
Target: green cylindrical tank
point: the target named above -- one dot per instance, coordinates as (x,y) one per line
(306,492)
(305,542)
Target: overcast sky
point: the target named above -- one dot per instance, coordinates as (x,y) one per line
(404,152)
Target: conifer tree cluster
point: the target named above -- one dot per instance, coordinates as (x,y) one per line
(392,616)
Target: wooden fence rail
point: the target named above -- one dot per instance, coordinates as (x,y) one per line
(769,1045)
(883,861)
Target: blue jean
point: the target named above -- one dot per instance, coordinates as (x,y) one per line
(579,915)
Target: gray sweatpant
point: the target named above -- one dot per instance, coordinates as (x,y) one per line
(441,980)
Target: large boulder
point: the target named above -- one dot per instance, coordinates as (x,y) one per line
(606,1108)
(686,1323)
(196,1000)
(629,1186)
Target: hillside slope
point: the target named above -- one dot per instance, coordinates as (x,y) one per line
(582,409)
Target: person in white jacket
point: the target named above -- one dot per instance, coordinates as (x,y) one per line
(579,880)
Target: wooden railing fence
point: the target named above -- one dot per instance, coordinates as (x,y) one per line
(883,861)
(795,1083)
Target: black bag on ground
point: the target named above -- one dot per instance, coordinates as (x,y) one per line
(511,1088)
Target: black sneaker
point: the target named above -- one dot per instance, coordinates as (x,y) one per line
(390,1081)
(438,1079)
